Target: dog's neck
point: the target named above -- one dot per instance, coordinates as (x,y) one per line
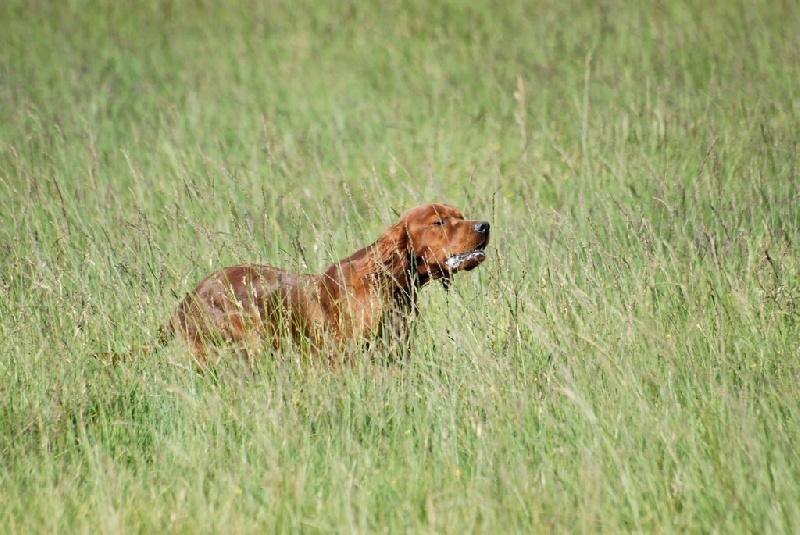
(369,269)
(386,268)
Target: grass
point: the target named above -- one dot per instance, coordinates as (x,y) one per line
(625,360)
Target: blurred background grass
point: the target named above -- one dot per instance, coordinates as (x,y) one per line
(626,360)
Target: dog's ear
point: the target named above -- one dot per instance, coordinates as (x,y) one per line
(394,243)
(394,248)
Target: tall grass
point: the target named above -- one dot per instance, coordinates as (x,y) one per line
(625,360)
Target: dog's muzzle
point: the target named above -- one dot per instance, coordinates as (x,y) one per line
(471,259)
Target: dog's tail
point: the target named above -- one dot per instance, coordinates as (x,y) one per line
(165,335)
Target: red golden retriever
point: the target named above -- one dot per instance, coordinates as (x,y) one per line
(368,296)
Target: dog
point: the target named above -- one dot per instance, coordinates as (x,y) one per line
(368,297)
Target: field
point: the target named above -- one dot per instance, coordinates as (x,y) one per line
(626,360)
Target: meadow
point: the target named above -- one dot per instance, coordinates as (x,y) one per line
(626,360)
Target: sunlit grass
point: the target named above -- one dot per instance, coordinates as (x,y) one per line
(625,360)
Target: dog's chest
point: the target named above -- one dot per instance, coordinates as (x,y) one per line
(368,314)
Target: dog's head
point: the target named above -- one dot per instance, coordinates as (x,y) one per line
(440,241)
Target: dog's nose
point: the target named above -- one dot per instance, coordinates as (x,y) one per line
(481,227)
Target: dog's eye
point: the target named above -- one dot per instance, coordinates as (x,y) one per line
(439,223)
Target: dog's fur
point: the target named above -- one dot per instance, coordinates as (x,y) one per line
(368,296)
